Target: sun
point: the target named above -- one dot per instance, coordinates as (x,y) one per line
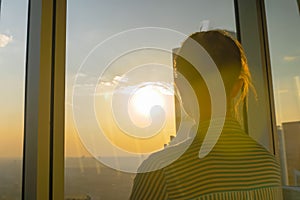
(141,103)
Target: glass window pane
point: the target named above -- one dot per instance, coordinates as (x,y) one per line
(108,42)
(284,30)
(13,28)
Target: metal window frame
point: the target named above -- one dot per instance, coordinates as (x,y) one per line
(252,33)
(43,152)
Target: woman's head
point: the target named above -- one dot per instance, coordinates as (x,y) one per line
(229,57)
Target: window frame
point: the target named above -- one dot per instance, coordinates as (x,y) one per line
(43,155)
(252,33)
(43,151)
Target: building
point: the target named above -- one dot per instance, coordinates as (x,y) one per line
(291,139)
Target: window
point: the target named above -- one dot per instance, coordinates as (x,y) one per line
(13,30)
(283,32)
(109,44)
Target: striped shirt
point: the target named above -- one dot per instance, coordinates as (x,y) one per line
(237,168)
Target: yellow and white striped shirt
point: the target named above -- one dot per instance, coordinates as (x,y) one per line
(237,168)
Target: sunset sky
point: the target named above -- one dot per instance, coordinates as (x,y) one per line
(91,22)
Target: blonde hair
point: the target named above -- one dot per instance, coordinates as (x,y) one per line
(245,77)
(225,51)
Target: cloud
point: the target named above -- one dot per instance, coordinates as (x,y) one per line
(4,40)
(120,79)
(80,75)
(290,58)
(107,83)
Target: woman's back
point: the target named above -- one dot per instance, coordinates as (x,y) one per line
(236,168)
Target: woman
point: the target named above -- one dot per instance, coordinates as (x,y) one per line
(237,167)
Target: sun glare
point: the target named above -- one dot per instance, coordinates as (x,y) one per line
(142,101)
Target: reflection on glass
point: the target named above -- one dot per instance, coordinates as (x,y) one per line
(12,72)
(284,30)
(120,73)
